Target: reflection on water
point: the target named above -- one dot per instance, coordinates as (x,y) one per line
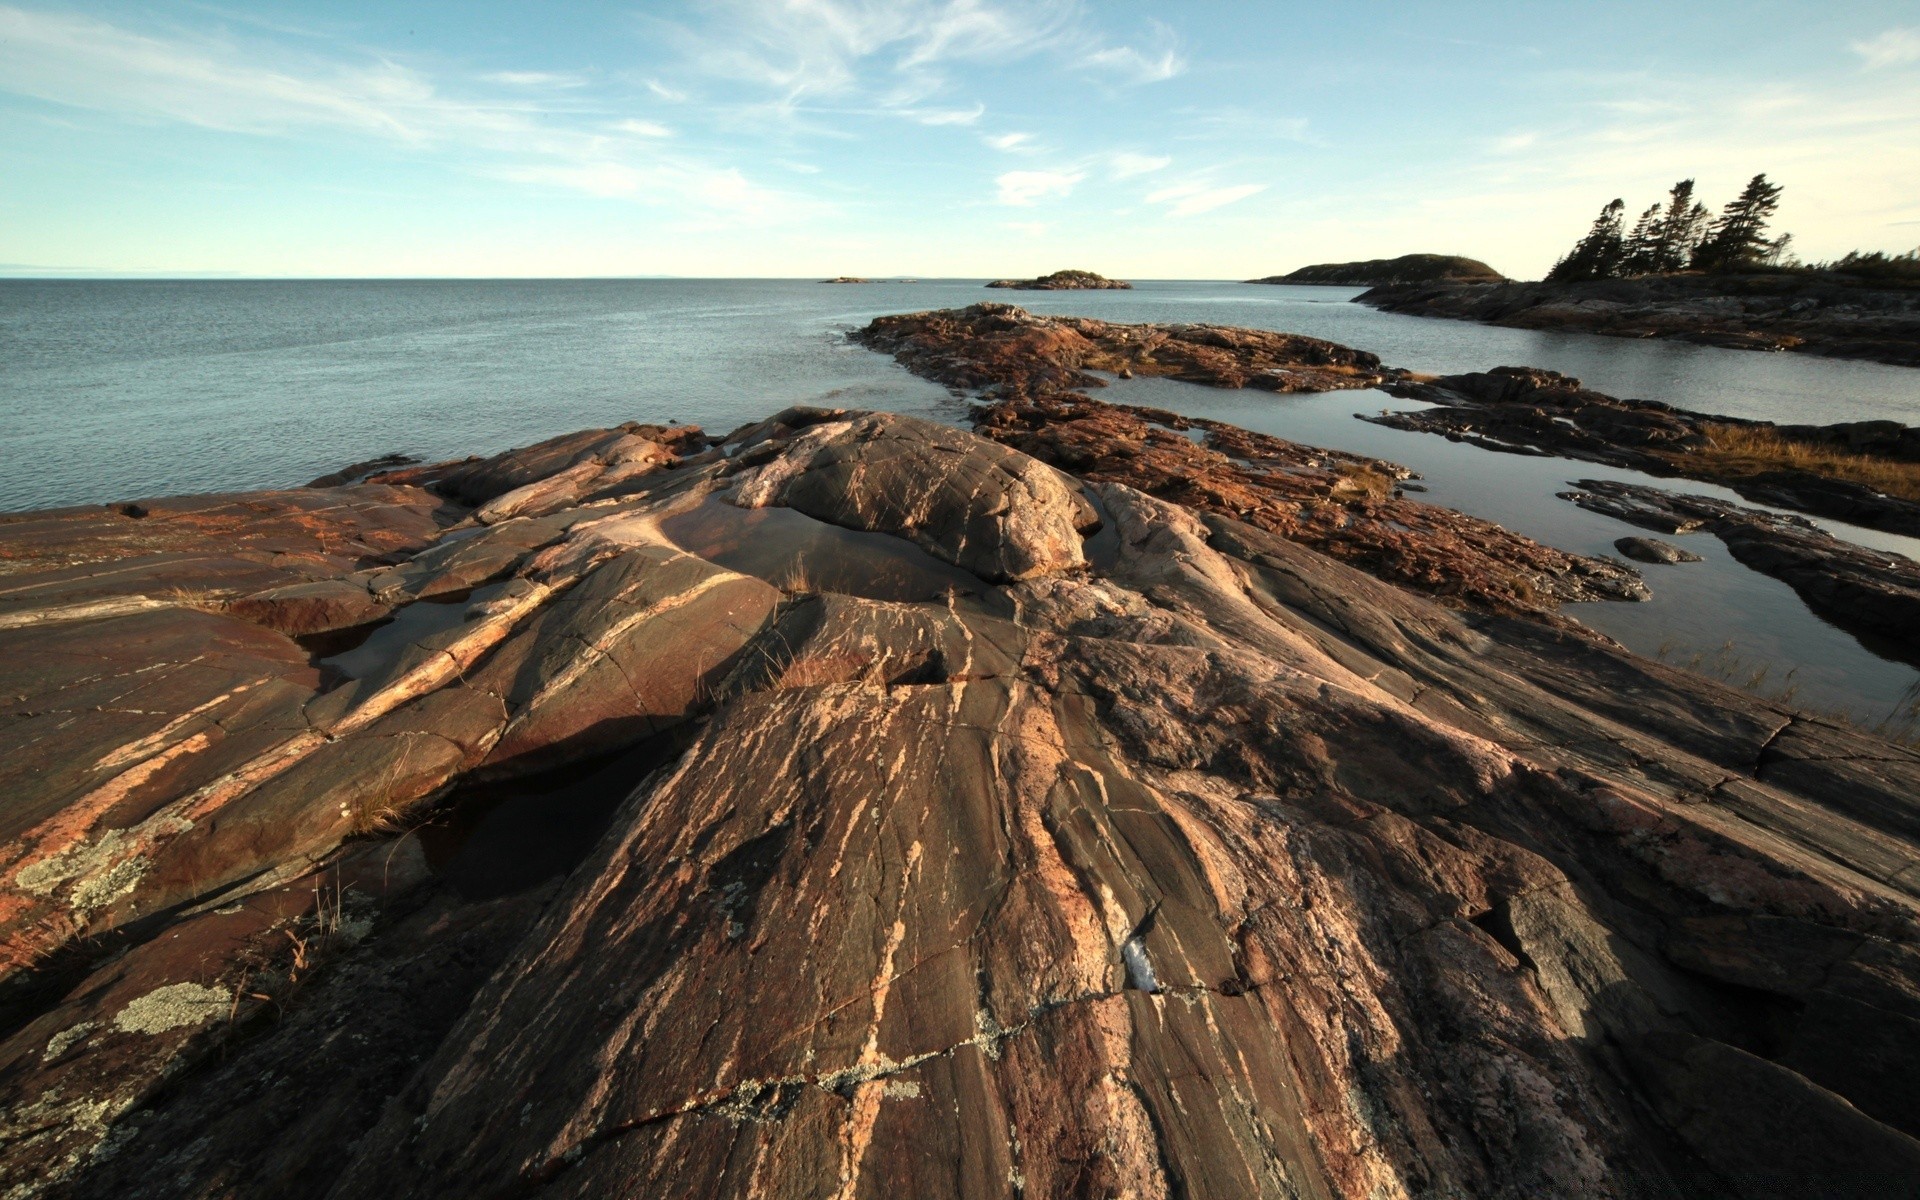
(1730,616)
(118,389)
(797,553)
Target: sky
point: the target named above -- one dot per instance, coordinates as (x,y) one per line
(933,138)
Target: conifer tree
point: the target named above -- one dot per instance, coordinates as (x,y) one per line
(1598,254)
(1680,230)
(1638,253)
(1738,236)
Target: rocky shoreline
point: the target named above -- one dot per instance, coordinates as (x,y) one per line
(1525,410)
(852,805)
(1834,316)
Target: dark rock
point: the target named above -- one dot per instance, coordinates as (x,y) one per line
(360,470)
(1525,410)
(1874,592)
(1062,281)
(1810,312)
(1383,272)
(1653,550)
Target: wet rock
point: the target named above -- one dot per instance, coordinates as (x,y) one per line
(1874,592)
(1653,550)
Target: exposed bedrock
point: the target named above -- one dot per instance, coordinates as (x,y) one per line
(1184,861)
(1017,353)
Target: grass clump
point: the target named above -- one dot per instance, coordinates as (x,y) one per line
(1743,450)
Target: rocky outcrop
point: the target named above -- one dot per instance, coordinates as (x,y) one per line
(1872,592)
(1341,504)
(846,279)
(1389,272)
(1526,410)
(1653,550)
(1063,281)
(1197,863)
(1016,353)
(1809,312)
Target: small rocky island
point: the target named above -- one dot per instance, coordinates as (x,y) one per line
(1381,272)
(1096,803)
(1063,281)
(846,279)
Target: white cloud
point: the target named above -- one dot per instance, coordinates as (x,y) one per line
(946,116)
(1009,141)
(88,63)
(1127,165)
(1187,199)
(1139,66)
(536,79)
(1023,188)
(1514,143)
(1895,47)
(671,95)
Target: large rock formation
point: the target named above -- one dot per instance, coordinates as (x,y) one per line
(1165,858)
(1387,272)
(1812,312)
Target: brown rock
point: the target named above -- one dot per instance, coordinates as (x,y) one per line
(1200,864)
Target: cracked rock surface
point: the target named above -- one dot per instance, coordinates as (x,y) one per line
(1167,857)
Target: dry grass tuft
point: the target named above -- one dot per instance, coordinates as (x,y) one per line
(1740,450)
(1364,480)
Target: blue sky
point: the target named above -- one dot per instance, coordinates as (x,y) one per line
(925,137)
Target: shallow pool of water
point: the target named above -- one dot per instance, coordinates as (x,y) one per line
(1730,620)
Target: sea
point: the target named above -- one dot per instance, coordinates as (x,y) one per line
(114,390)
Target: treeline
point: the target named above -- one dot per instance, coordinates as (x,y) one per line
(1680,234)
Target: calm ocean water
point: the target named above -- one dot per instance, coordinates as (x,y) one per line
(117,390)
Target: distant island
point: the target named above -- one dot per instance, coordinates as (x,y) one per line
(1383,272)
(1062,281)
(846,279)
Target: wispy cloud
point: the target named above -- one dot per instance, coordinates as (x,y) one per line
(258,90)
(945,116)
(1127,165)
(1141,66)
(536,79)
(1188,199)
(1895,47)
(1009,141)
(1023,188)
(670,95)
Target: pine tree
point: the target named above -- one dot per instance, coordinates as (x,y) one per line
(1679,230)
(1638,253)
(1597,255)
(1738,236)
